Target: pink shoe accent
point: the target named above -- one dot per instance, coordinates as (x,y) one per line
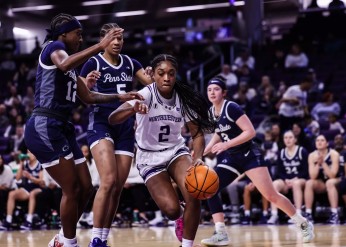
(179,228)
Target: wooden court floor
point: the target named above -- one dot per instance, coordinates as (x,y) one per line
(241,236)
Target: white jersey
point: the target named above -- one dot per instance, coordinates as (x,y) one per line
(160,129)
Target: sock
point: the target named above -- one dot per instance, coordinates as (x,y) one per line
(298,219)
(299,211)
(9,218)
(308,211)
(274,213)
(247,212)
(220,227)
(61,236)
(186,243)
(334,210)
(158,214)
(235,208)
(29,218)
(265,213)
(96,233)
(70,242)
(105,233)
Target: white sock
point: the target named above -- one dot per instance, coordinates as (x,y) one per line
(105,233)
(9,218)
(298,219)
(334,210)
(247,212)
(96,233)
(299,211)
(220,227)
(158,214)
(61,236)
(186,243)
(274,213)
(265,213)
(70,242)
(308,211)
(29,218)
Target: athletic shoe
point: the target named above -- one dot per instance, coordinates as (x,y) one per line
(179,228)
(97,242)
(218,239)
(333,219)
(307,230)
(309,217)
(245,220)
(273,220)
(5,226)
(26,226)
(55,242)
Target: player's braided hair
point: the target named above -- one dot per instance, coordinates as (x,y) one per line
(56,22)
(194,104)
(106,27)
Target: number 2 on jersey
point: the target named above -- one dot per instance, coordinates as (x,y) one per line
(165,131)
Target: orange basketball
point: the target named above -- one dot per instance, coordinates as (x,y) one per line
(202,182)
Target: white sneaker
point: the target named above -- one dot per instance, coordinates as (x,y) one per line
(273,220)
(54,242)
(218,239)
(307,230)
(155,221)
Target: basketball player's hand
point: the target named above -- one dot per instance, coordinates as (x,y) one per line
(198,162)
(149,72)
(92,78)
(129,96)
(140,108)
(110,36)
(219,148)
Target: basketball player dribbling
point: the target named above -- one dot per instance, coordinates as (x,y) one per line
(237,154)
(161,152)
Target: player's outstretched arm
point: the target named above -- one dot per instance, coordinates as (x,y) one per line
(127,110)
(90,97)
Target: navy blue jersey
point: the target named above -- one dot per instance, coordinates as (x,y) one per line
(226,126)
(54,89)
(114,78)
(34,171)
(342,159)
(295,166)
(328,161)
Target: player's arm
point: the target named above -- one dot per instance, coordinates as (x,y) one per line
(314,166)
(198,141)
(215,139)
(143,77)
(332,171)
(64,62)
(127,110)
(90,97)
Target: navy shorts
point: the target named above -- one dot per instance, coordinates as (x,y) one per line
(241,161)
(121,135)
(49,139)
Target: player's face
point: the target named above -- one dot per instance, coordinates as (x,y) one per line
(289,139)
(215,93)
(114,48)
(321,142)
(73,40)
(165,75)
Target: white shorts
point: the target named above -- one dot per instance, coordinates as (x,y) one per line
(150,164)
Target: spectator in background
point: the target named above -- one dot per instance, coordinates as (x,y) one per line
(14,98)
(29,179)
(278,62)
(322,110)
(293,104)
(230,78)
(296,58)
(245,59)
(292,173)
(302,138)
(4,120)
(324,177)
(20,76)
(312,128)
(317,85)
(334,124)
(6,182)
(277,135)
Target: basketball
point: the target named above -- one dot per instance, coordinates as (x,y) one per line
(202,182)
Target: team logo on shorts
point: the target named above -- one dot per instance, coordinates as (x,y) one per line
(65,148)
